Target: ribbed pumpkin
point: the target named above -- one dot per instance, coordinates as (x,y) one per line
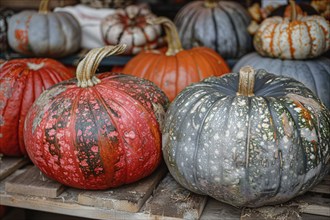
(129,26)
(21,82)
(44,33)
(293,38)
(247,139)
(313,73)
(220,25)
(96,133)
(173,68)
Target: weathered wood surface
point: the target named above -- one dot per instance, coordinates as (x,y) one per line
(34,183)
(10,164)
(125,198)
(169,201)
(172,200)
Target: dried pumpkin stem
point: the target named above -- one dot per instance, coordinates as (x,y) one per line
(293,16)
(211,3)
(87,67)
(173,39)
(246,81)
(43,6)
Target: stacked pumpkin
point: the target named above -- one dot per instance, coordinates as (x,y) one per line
(293,47)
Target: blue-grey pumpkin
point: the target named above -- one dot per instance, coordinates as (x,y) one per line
(43,33)
(220,25)
(247,139)
(314,73)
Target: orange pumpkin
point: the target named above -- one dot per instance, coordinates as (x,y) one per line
(173,68)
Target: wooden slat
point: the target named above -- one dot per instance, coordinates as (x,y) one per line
(10,164)
(128,198)
(271,212)
(32,182)
(313,203)
(215,210)
(172,200)
(321,188)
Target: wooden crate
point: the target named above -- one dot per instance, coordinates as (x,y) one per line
(158,196)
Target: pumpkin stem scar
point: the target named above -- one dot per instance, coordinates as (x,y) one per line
(43,7)
(87,67)
(246,81)
(210,3)
(173,39)
(293,16)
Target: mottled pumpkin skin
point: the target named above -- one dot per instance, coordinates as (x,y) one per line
(306,37)
(97,137)
(173,73)
(313,73)
(247,151)
(222,28)
(21,82)
(54,34)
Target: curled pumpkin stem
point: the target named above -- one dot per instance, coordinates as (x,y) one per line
(43,6)
(293,16)
(173,39)
(246,81)
(86,69)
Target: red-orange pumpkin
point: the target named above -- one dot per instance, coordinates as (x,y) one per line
(21,82)
(97,133)
(173,69)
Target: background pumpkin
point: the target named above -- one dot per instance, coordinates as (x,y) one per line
(220,25)
(4,17)
(97,133)
(172,68)
(247,140)
(293,38)
(129,26)
(44,33)
(21,82)
(313,73)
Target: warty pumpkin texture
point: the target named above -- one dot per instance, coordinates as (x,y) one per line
(247,139)
(173,68)
(97,132)
(220,25)
(313,73)
(129,26)
(44,33)
(21,83)
(297,37)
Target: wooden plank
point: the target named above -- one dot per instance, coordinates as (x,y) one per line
(66,204)
(321,188)
(33,182)
(313,203)
(172,200)
(283,211)
(215,210)
(128,198)
(10,164)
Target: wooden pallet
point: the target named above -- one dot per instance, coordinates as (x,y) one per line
(158,196)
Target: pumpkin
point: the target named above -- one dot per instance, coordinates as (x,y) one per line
(293,38)
(44,33)
(313,73)
(96,133)
(4,17)
(173,68)
(128,25)
(220,25)
(247,139)
(21,82)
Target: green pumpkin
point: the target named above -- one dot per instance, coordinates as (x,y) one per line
(247,139)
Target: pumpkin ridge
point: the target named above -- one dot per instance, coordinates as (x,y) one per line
(185,33)
(276,132)
(224,65)
(312,78)
(296,124)
(235,29)
(216,44)
(115,123)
